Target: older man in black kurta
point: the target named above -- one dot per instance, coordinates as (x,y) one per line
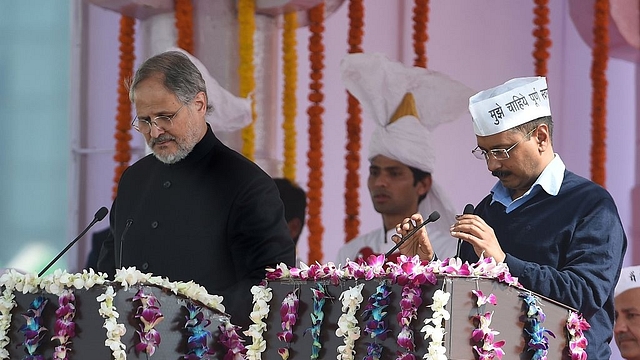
(194,209)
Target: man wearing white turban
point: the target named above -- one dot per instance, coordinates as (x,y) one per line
(406,103)
(626,330)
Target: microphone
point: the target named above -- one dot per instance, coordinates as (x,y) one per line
(124,232)
(100,214)
(433,217)
(468,209)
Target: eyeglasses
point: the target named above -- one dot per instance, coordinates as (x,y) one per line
(498,154)
(162,122)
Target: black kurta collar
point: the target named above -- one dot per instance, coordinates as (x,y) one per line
(202,148)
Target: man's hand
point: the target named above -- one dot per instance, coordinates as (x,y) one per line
(472,229)
(418,243)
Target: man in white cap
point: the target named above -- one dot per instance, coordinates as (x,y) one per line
(406,103)
(559,233)
(627,326)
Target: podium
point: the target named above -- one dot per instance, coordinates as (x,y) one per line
(90,333)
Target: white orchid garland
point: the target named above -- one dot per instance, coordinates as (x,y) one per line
(261,297)
(348,323)
(433,326)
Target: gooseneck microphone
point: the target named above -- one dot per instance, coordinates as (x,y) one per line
(100,214)
(468,209)
(124,233)
(433,217)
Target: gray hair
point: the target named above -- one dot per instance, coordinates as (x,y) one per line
(181,76)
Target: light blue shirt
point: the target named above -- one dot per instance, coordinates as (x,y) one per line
(549,180)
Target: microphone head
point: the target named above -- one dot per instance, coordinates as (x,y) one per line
(434,216)
(468,209)
(100,214)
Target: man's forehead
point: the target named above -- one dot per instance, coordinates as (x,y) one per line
(383,162)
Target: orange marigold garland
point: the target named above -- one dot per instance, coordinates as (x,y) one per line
(420,36)
(599,97)
(123,115)
(541,33)
(354,130)
(289,103)
(315,111)
(184,24)
(246,68)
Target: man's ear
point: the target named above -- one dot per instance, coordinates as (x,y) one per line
(542,137)
(295,227)
(424,185)
(200,101)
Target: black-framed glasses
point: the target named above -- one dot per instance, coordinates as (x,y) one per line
(498,154)
(162,122)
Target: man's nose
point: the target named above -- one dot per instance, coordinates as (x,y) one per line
(156,131)
(493,163)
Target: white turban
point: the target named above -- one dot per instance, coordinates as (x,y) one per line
(381,86)
(230,112)
(506,106)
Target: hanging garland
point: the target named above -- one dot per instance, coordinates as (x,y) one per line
(246,68)
(420,36)
(599,96)
(541,33)
(122,134)
(289,103)
(354,130)
(314,155)
(184,24)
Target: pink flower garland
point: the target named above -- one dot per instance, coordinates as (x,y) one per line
(150,316)
(289,317)
(65,328)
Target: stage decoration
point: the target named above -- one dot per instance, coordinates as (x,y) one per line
(599,84)
(354,130)
(433,328)
(115,331)
(320,295)
(7,303)
(198,334)
(348,328)
(122,134)
(33,330)
(184,24)
(246,68)
(149,315)
(65,327)
(483,334)
(420,35)
(289,101)
(576,325)
(314,154)
(230,339)
(289,317)
(261,297)
(538,341)
(374,314)
(541,33)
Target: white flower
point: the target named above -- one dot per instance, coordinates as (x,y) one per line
(130,276)
(348,323)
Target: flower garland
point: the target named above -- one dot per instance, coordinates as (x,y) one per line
(229,339)
(374,314)
(541,33)
(354,130)
(433,327)
(483,334)
(538,341)
(122,134)
(33,330)
(289,103)
(314,155)
(7,303)
(420,36)
(348,327)
(246,68)
(599,97)
(289,317)
(149,315)
(184,24)
(198,334)
(115,331)
(65,327)
(320,295)
(261,297)
(576,325)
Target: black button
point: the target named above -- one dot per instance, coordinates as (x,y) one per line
(145,266)
(167,184)
(154,224)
